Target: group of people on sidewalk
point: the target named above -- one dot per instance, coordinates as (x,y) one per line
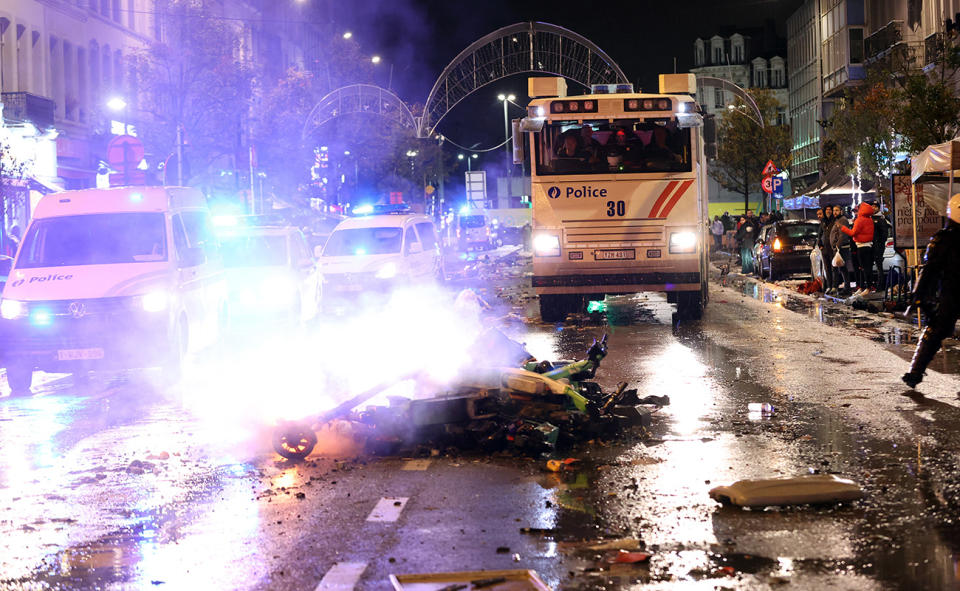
(852,249)
(741,234)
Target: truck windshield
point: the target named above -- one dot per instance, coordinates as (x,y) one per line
(473,221)
(361,241)
(253,251)
(94,239)
(619,146)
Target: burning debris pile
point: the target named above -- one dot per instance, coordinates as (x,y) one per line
(533,408)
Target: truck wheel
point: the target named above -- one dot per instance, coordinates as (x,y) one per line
(20,377)
(554,307)
(294,441)
(690,305)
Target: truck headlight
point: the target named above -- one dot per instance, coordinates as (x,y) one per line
(155,301)
(683,242)
(12,309)
(388,271)
(546,245)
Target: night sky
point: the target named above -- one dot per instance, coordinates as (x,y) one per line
(420,37)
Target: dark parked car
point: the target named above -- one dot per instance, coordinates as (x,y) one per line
(784,248)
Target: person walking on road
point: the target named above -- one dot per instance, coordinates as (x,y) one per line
(840,243)
(940,272)
(862,234)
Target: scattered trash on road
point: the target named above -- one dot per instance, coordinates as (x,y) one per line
(494,580)
(761,407)
(534,409)
(793,490)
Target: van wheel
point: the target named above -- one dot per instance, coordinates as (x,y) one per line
(20,377)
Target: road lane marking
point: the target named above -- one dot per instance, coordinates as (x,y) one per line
(388,509)
(418,465)
(342,576)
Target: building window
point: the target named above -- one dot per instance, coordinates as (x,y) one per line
(717,55)
(717,98)
(105,8)
(856,46)
(116,11)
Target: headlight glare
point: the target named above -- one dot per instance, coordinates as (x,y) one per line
(12,309)
(155,301)
(683,242)
(388,271)
(546,245)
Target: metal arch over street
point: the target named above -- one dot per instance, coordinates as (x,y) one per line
(516,49)
(710,81)
(359,98)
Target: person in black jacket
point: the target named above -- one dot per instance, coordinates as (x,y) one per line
(881,231)
(937,292)
(746,238)
(825,216)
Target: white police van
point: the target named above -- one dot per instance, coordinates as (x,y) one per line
(112,278)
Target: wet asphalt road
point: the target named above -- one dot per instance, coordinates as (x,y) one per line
(119,484)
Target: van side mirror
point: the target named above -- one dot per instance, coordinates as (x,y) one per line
(192,257)
(415,248)
(518,138)
(318,251)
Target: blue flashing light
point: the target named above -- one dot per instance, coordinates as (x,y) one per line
(225,221)
(41,317)
(465,210)
(380,209)
(360,252)
(136,197)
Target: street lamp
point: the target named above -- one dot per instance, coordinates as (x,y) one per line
(347,34)
(118,105)
(507,98)
(375,59)
(469,164)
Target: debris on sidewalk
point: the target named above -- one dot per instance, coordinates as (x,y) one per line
(793,490)
(493,580)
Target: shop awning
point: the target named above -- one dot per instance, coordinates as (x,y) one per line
(938,159)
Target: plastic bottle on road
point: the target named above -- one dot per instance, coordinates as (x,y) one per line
(761,407)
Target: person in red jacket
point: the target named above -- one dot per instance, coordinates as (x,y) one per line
(862,235)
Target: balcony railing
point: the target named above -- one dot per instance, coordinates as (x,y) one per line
(23,107)
(932,48)
(883,39)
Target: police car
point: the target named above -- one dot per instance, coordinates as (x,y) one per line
(271,272)
(377,250)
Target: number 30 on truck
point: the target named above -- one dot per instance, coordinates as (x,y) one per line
(619,193)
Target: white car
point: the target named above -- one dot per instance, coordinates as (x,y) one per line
(368,256)
(271,274)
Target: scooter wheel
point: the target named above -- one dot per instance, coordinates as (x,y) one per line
(294,441)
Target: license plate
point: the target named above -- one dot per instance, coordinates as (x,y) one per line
(349,287)
(79,354)
(807,248)
(615,255)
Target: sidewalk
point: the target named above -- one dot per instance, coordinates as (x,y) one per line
(734,279)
